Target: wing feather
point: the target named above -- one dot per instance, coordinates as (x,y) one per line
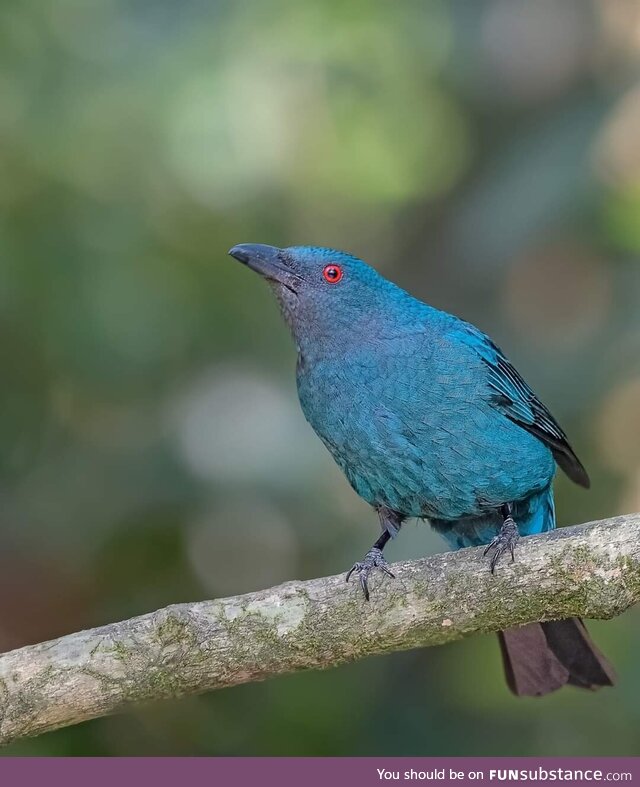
(515,398)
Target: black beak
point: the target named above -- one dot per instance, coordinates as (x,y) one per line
(265,260)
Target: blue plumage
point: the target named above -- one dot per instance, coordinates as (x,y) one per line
(423,412)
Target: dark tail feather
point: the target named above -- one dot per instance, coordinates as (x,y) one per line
(570,641)
(530,666)
(543,657)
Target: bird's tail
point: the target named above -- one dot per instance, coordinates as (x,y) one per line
(542,657)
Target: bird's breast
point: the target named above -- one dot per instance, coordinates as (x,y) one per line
(419,434)
(361,410)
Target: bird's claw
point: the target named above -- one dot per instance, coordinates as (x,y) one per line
(505,541)
(373,559)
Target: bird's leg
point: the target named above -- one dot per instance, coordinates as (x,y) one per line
(373,559)
(390,522)
(506,539)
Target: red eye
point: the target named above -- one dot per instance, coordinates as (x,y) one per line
(332,274)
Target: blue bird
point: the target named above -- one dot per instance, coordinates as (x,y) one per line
(427,418)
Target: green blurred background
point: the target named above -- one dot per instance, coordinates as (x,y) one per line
(484,155)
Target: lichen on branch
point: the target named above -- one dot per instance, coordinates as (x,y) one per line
(591,571)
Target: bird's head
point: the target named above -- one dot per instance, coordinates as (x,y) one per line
(321,291)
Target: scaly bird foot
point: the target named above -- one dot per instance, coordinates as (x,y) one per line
(373,559)
(506,540)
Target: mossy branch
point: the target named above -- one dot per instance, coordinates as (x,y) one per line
(592,571)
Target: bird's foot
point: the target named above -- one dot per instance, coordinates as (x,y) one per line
(505,541)
(373,559)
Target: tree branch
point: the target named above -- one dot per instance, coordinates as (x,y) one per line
(592,571)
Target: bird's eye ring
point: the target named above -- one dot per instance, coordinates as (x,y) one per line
(332,274)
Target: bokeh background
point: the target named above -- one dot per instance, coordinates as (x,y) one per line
(484,155)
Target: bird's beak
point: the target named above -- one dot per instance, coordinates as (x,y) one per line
(265,260)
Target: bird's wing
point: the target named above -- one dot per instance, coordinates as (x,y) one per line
(517,401)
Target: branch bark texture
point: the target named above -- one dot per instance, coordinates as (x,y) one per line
(592,571)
